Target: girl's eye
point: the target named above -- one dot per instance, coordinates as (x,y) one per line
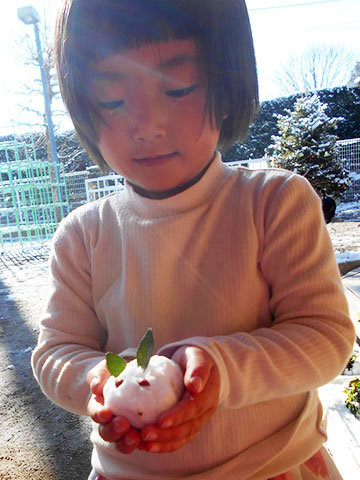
(112,105)
(182,92)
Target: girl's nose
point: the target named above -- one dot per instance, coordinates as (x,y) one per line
(149,120)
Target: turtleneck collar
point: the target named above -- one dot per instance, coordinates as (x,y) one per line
(188,199)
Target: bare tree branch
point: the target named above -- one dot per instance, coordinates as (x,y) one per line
(319,66)
(27,54)
(31,99)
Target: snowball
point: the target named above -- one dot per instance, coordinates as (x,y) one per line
(141,396)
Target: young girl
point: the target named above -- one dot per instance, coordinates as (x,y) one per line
(232,268)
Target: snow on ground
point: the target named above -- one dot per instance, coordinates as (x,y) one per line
(346,256)
(345,232)
(348,212)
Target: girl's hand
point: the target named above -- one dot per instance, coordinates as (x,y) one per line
(179,425)
(111,428)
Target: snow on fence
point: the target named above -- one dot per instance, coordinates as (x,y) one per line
(349,153)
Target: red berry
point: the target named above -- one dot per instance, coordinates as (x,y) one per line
(118,382)
(144,383)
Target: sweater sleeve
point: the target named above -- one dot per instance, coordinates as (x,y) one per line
(71,337)
(311,336)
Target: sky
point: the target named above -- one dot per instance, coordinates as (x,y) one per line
(280,28)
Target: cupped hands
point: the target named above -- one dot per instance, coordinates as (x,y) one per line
(175,427)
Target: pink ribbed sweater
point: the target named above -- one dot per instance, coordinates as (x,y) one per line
(239,264)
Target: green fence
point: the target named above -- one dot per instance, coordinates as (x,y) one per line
(30,209)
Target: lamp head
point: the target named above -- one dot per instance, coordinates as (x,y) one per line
(28,15)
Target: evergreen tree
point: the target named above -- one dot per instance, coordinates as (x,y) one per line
(306,146)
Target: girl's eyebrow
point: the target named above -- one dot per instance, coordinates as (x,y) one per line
(176,61)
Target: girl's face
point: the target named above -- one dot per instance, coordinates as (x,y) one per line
(152,101)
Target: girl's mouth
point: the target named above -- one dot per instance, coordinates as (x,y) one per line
(155,159)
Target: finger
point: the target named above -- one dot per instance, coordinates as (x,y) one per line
(197,365)
(192,406)
(98,411)
(184,431)
(129,441)
(97,377)
(115,429)
(173,439)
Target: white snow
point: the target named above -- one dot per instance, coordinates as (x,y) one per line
(347,256)
(141,396)
(346,241)
(349,207)
(354,176)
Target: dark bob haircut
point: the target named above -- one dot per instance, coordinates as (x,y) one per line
(90,30)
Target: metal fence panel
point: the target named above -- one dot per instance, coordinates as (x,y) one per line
(30,207)
(102,186)
(349,153)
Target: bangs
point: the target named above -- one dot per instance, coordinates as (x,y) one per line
(124,24)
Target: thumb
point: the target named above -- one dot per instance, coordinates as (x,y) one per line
(97,377)
(197,364)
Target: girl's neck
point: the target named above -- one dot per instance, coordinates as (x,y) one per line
(174,191)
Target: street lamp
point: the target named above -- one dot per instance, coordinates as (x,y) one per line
(30,16)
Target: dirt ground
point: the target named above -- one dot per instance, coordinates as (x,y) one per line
(38,440)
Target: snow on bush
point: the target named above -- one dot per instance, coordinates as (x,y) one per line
(306,145)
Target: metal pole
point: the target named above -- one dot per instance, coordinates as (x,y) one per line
(54,155)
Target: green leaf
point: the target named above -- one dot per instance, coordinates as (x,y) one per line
(115,364)
(145,349)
